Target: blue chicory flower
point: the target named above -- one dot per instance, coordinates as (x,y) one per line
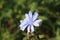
(30,21)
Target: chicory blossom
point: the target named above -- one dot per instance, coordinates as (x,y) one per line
(29,22)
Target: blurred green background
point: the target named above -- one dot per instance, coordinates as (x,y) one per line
(12,11)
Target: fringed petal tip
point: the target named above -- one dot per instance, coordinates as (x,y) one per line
(37,22)
(35,16)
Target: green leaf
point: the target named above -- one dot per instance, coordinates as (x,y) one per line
(58,22)
(43,17)
(32,6)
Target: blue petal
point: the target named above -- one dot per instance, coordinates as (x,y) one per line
(32,28)
(30,14)
(21,21)
(36,23)
(23,24)
(23,27)
(35,16)
(28,29)
(27,17)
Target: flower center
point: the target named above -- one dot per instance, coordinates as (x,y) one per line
(30,22)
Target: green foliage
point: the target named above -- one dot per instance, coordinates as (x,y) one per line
(12,11)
